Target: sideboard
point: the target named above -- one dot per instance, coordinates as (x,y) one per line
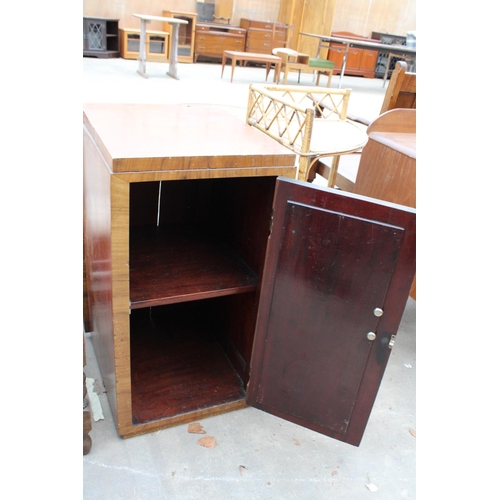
(264,36)
(212,39)
(360,62)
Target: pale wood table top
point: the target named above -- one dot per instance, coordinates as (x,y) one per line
(252,56)
(159,137)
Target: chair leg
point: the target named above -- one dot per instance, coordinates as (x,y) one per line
(332,176)
(330,74)
(304,165)
(313,167)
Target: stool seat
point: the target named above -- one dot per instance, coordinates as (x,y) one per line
(320,63)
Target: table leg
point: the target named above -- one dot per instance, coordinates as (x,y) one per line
(233,64)
(174,43)
(344,61)
(277,72)
(142,49)
(223,64)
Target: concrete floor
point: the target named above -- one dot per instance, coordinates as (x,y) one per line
(257,455)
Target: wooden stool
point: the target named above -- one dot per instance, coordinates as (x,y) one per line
(322,67)
(293,60)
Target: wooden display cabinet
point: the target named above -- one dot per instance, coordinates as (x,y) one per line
(100,37)
(217,281)
(157,45)
(185,50)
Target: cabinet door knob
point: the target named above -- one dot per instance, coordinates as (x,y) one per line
(371,336)
(378,312)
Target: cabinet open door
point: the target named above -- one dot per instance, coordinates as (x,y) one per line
(337,275)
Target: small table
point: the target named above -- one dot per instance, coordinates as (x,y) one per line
(269,59)
(174,41)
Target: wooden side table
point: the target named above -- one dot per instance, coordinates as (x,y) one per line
(174,43)
(268,59)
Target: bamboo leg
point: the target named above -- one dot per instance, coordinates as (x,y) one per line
(304,161)
(303,168)
(332,176)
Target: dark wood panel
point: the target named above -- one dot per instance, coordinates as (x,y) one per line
(176,364)
(170,264)
(144,203)
(97,210)
(332,259)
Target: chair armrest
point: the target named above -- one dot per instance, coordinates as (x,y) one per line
(358,119)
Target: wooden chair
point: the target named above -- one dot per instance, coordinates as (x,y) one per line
(311,121)
(401,93)
(408,59)
(388,164)
(402,89)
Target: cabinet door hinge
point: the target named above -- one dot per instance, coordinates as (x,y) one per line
(392,341)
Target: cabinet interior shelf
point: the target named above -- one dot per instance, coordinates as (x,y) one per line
(178,366)
(171,264)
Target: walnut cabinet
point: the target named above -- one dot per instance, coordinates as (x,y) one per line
(218,281)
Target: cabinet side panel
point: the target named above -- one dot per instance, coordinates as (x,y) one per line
(120,210)
(96,186)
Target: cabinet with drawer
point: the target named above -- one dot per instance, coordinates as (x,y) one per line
(360,62)
(212,39)
(264,36)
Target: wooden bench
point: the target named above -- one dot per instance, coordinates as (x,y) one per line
(267,59)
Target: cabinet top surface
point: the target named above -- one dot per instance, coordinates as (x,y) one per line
(170,20)
(140,137)
(208,24)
